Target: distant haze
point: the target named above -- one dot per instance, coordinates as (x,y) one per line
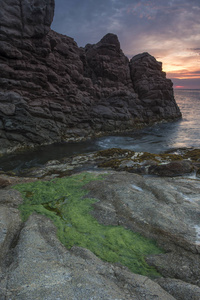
(168,30)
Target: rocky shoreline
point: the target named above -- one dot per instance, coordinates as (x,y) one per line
(177,162)
(165,209)
(34,264)
(51,90)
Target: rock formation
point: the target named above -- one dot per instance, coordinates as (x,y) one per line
(51,90)
(26,18)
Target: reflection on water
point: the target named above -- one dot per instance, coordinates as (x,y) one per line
(155,139)
(161,137)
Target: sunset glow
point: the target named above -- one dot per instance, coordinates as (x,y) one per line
(168,30)
(179,87)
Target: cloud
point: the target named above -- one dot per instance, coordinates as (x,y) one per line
(85,20)
(186,83)
(195,50)
(184,74)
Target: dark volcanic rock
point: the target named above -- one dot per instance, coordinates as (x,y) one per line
(51,90)
(175,168)
(155,91)
(26,18)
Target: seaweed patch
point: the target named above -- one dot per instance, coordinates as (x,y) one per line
(65,202)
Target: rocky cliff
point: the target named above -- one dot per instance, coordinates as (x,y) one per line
(51,90)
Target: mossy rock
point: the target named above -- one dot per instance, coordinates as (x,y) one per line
(194,155)
(158,158)
(113,152)
(170,157)
(113,163)
(138,158)
(65,202)
(144,156)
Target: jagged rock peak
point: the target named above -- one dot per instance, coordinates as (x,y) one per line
(110,39)
(26,18)
(146,59)
(140,56)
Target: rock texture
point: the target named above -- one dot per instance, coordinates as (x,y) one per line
(34,264)
(152,87)
(175,168)
(143,163)
(51,90)
(164,208)
(26,18)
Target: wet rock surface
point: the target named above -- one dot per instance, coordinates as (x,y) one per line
(51,90)
(170,164)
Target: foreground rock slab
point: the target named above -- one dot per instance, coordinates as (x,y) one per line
(35,265)
(161,207)
(41,268)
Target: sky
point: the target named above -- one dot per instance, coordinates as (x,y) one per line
(167,29)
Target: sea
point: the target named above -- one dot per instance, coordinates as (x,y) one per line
(183,133)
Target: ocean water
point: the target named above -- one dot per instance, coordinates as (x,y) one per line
(157,138)
(164,136)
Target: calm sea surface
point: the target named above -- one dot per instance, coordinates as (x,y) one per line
(155,139)
(161,137)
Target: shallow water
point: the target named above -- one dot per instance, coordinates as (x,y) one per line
(155,139)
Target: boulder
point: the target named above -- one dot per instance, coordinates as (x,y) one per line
(174,168)
(4,182)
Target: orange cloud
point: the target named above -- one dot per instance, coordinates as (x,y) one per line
(184,74)
(182,66)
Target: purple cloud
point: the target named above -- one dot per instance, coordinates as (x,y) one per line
(162,28)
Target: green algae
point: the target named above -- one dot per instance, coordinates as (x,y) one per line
(193,154)
(64,201)
(114,157)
